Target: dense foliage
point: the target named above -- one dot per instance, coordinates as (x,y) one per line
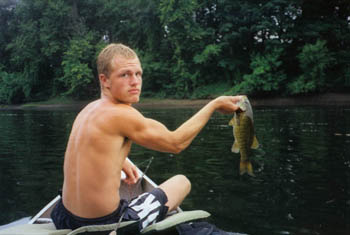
(188,48)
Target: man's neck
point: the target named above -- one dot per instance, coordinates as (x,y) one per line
(109,98)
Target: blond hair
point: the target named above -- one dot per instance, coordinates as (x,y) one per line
(108,54)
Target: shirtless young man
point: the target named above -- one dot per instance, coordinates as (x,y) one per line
(100,141)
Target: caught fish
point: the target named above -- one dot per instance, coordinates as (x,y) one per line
(243,132)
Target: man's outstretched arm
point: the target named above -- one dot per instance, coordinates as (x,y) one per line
(154,135)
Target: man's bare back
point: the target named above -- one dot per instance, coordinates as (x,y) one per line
(93,162)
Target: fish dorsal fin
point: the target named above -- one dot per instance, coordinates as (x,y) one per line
(255,143)
(235,148)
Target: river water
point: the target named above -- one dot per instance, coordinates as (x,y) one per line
(302,183)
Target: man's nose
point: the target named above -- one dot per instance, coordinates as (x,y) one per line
(135,79)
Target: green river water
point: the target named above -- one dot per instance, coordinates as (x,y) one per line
(302,183)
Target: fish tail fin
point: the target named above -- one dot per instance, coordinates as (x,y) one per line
(246,167)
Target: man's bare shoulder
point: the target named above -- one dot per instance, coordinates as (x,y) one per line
(119,110)
(110,118)
(114,114)
(107,108)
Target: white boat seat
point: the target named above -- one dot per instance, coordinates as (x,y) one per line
(101,228)
(167,223)
(49,228)
(178,218)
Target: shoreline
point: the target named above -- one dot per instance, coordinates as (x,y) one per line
(328,99)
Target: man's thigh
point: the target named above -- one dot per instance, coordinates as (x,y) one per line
(150,207)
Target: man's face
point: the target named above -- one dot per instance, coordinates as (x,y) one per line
(125,80)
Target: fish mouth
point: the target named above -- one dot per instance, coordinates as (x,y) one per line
(240,110)
(242,106)
(243,103)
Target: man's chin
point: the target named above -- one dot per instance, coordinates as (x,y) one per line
(134,100)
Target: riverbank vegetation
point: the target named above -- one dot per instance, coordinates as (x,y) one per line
(190,49)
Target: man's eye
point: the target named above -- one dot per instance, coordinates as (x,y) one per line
(124,75)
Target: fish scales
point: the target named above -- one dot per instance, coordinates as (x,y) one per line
(244,135)
(244,132)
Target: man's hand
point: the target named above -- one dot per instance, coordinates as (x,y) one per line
(131,172)
(227,104)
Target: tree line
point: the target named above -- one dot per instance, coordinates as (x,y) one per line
(188,48)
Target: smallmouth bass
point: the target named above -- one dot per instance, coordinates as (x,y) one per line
(244,135)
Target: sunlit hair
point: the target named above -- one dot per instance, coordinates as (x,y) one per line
(109,53)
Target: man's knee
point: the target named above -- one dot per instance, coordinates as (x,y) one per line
(184,182)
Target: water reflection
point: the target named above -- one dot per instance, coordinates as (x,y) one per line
(302,168)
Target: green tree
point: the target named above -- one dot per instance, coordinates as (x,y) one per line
(10,88)
(266,76)
(182,34)
(40,29)
(188,48)
(325,21)
(78,75)
(314,60)
(6,14)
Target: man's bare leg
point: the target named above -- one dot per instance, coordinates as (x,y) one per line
(176,188)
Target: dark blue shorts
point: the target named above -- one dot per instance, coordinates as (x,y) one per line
(147,208)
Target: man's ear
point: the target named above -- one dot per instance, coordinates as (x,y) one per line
(104,80)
